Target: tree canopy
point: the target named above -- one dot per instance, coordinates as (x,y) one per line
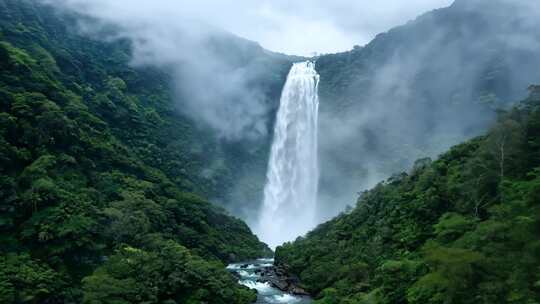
(462,229)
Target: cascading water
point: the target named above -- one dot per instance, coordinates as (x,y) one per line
(290,195)
(252,274)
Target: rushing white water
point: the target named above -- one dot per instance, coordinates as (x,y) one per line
(290,195)
(262,288)
(249,275)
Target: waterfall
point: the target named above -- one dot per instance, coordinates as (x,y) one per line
(290,194)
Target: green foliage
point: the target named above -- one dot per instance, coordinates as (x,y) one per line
(101,180)
(23,280)
(451,279)
(170,274)
(462,229)
(426,85)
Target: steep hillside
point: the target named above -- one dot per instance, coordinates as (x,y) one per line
(418,89)
(97,171)
(462,229)
(230,172)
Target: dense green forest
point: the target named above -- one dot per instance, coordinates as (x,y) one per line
(149,120)
(98,173)
(105,186)
(462,229)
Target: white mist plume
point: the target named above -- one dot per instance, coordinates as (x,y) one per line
(417,90)
(293,27)
(213,86)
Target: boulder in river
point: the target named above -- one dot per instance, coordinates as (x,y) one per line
(279,278)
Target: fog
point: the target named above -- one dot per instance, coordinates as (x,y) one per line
(292,27)
(419,89)
(410,93)
(213,69)
(215,83)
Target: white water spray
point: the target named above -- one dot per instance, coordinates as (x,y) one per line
(290,195)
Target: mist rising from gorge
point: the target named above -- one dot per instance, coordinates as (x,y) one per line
(217,80)
(215,75)
(420,88)
(410,93)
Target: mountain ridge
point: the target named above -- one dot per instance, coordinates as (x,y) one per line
(401,96)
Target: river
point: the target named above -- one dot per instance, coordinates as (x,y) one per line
(248,276)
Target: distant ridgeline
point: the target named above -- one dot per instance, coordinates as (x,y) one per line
(462,229)
(96,170)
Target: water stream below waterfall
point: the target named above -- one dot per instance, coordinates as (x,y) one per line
(249,275)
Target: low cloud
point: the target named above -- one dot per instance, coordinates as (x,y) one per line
(293,27)
(213,70)
(418,90)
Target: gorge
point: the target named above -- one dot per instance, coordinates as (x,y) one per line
(141,153)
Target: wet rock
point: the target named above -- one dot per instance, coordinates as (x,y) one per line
(236,275)
(279,278)
(298,291)
(278,283)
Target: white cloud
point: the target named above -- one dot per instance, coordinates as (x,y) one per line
(305,26)
(292,27)
(211,89)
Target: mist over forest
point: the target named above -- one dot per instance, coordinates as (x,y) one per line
(269,151)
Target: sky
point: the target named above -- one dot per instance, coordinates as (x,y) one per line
(299,27)
(306,26)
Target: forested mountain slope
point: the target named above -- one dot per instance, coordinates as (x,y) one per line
(192,154)
(96,174)
(420,88)
(462,229)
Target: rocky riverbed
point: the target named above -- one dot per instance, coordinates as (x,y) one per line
(273,283)
(280,279)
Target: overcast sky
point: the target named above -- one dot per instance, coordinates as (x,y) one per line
(324,26)
(298,27)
